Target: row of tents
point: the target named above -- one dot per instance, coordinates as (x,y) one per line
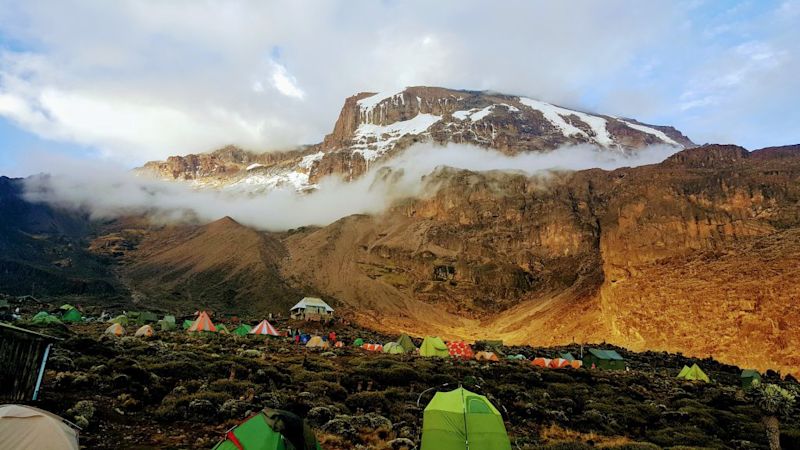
(454,420)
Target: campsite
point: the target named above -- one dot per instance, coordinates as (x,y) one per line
(171,387)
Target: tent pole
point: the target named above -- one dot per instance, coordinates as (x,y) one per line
(41,372)
(464,407)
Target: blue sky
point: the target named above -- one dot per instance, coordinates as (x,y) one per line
(144,80)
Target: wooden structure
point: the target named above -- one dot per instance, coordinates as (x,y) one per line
(23,356)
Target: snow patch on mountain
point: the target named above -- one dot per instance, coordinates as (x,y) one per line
(476,114)
(372,141)
(657,133)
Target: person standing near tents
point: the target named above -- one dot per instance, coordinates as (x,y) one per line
(297,339)
(332,337)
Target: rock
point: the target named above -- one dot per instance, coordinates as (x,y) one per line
(202,408)
(320,415)
(401,444)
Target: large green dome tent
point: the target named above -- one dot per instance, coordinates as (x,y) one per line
(434,346)
(463,420)
(270,429)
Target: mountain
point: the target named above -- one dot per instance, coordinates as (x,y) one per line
(375,126)
(697,254)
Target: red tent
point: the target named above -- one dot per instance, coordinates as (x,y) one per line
(541,362)
(559,363)
(373,347)
(264,328)
(203,323)
(460,349)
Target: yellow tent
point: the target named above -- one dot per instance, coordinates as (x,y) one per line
(115,329)
(434,346)
(694,373)
(145,331)
(317,342)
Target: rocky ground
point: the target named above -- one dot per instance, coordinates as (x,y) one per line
(183,391)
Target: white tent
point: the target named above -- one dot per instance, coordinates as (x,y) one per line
(29,428)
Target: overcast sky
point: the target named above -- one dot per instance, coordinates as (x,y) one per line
(131,81)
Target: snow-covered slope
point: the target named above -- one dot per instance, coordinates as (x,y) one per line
(375,126)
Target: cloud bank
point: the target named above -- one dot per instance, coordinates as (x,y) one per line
(104,191)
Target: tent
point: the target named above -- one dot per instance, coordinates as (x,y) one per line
(222,329)
(148,316)
(406,342)
(66,307)
(265,328)
(517,357)
(317,342)
(750,377)
(694,373)
(541,362)
(393,348)
(486,356)
(568,356)
(242,330)
(433,346)
(187,324)
(373,347)
(358,342)
(203,323)
(44,318)
(29,428)
(460,420)
(145,331)
(559,363)
(270,429)
(460,349)
(115,329)
(576,364)
(73,315)
(121,319)
(603,359)
(166,325)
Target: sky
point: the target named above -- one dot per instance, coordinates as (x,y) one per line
(127,81)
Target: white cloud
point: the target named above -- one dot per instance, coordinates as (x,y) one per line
(110,191)
(285,83)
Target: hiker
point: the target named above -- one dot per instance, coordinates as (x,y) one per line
(297,339)
(332,337)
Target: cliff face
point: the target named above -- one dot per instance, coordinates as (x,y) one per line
(696,254)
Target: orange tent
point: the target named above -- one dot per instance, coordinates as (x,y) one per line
(203,323)
(115,329)
(264,328)
(576,364)
(460,349)
(145,331)
(541,362)
(486,356)
(559,363)
(339,344)
(373,347)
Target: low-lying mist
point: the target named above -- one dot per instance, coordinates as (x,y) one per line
(108,192)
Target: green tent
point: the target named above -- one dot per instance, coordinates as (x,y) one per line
(242,330)
(187,324)
(358,342)
(750,378)
(44,318)
(148,317)
(568,356)
(393,348)
(120,319)
(460,420)
(270,430)
(166,325)
(406,342)
(66,307)
(434,346)
(169,318)
(516,357)
(603,359)
(221,328)
(694,373)
(73,315)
